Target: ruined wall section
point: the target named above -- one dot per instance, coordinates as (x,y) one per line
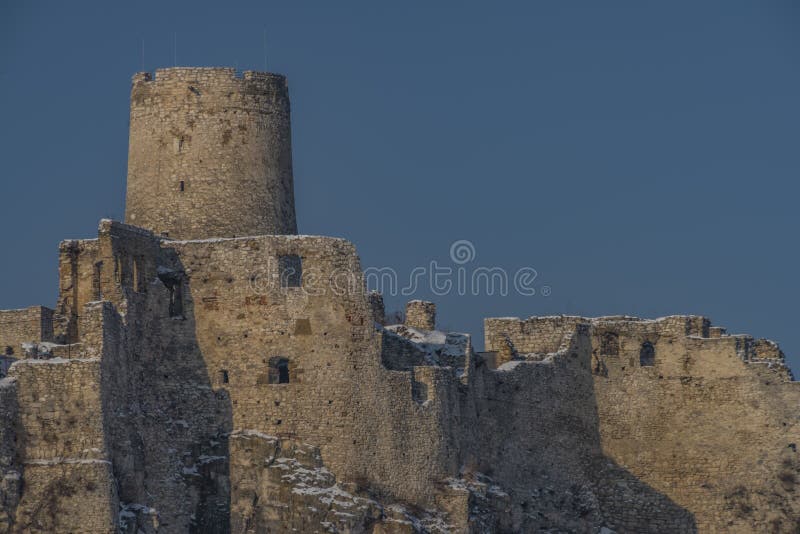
(421,314)
(78,283)
(707,423)
(166,424)
(533,413)
(534,431)
(116,267)
(160,416)
(283,355)
(544,334)
(395,431)
(705,419)
(210,154)
(535,335)
(62,448)
(27,325)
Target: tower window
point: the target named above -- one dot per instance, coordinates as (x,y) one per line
(223,376)
(9,350)
(278,370)
(290,270)
(173,281)
(609,345)
(647,355)
(183,186)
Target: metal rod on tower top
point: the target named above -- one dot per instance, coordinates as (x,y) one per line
(265,49)
(175,49)
(142,55)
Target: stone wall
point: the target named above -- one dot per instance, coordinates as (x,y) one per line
(195,341)
(62,448)
(210,154)
(27,325)
(710,422)
(183,355)
(421,314)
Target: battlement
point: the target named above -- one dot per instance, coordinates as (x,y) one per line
(209,76)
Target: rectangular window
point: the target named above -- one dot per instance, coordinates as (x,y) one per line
(290,270)
(183,186)
(278,370)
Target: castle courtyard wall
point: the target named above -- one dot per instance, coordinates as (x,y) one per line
(712,423)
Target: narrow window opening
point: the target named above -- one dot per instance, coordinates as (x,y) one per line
(183,186)
(223,376)
(9,350)
(609,344)
(176,300)
(278,370)
(96,287)
(647,355)
(290,270)
(173,281)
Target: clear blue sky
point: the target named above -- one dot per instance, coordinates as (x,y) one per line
(643,157)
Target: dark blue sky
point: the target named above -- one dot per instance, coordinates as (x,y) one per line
(642,157)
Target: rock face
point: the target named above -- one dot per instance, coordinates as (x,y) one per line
(249,385)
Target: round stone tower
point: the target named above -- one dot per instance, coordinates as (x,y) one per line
(210,154)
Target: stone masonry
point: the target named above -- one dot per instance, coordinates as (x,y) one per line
(205,369)
(421,314)
(210,154)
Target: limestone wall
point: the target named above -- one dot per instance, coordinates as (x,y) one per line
(183,352)
(119,265)
(421,314)
(709,422)
(210,154)
(27,325)
(537,334)
(706,428)
(62,448)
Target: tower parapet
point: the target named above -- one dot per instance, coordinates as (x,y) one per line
(210,154)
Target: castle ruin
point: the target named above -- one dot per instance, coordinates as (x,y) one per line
(199,374)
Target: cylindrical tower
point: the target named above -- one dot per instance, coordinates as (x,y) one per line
(210,154)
